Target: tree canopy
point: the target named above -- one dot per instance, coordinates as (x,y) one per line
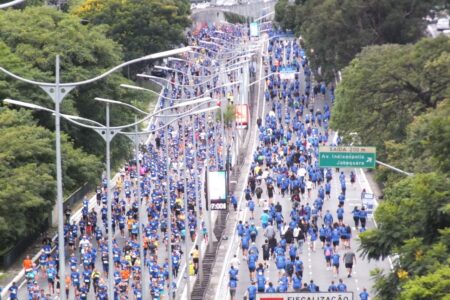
(27,173)
(413,208)
(413,223)
(338,29)
(30,40)
(426,147)
(97,36)
(384,87)
(140,27)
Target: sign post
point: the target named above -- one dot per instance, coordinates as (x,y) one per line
(347,157)
(216,190)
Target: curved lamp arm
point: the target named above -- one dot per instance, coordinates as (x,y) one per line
(134,87)
(73,84)
(12,3)
(182,85)
(122,103)
(75,119)
(172,121)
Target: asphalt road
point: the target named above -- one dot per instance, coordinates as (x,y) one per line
(162,251)
(314,261)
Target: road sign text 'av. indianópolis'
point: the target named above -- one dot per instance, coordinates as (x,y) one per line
(347,157)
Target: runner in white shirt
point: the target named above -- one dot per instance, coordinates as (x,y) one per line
(309,186)
(235,262)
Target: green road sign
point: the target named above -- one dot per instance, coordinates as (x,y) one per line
(347,157)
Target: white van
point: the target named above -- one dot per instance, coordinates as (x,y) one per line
(443,24)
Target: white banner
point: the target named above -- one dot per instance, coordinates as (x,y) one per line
(306,296)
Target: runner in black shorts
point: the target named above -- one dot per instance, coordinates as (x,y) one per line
(349,258)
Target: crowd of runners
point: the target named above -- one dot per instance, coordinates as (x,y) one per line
(285,163)
(193,143)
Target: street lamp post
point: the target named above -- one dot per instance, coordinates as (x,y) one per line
(186,210)
(141,212)
(169,210)
(107,133)
(57,92)
(196,175)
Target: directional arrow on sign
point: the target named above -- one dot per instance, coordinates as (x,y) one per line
(369,159)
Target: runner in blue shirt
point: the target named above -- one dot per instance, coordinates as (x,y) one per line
(364,295)
(252,260)
(233,273)
(341,286)
(296,282)
(363,217)
(328,218)
(332,287)
(13,291)
(335,260)
(252,291)
(270,288)
(75,278)
(233,286)
(355,213)
(340,213)
(51,275)
(261,282)
(328,252)
(313,287)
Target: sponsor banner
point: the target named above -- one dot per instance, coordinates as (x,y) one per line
(306,296)
(242,115)
(217,190)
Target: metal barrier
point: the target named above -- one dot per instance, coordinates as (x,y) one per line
(78,195)
(10,257)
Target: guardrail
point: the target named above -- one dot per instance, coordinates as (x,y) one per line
(20,278)
(10,257)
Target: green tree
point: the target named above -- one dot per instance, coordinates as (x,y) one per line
(434,285)
(31,38)
(140,27)
(413,208)
(338,29)
(27,179)
(234,18)
(427,144)
(413,223)
(384,87)
(285,14)
(229,115)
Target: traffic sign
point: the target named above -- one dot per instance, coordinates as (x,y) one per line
(347,157)
(305,296)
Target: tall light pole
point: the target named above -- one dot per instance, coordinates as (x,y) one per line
(186,210)
(141,212)
(169,210)
(57,92)
(107,133)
